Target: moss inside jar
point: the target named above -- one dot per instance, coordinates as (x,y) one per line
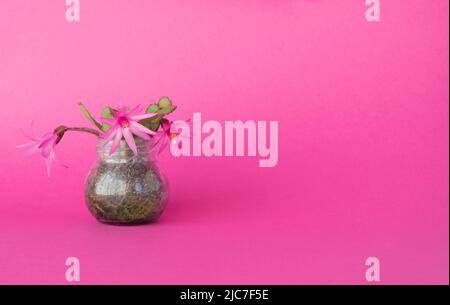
(123,188)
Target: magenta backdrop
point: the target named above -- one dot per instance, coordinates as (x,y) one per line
(363,153)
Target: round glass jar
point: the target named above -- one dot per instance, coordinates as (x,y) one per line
(125,189)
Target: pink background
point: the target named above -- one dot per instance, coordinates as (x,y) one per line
(363,154)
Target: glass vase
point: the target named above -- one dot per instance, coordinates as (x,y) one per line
(123,188)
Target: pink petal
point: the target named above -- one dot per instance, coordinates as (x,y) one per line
(142,128)
(56,161)
(138,117)
(31,137)
(121,107)
(47,139)
(25,145)
(32,150)
(111,130)
(109,138)
(135,109)
(108,121)
(116,142)
(49,144)
(164,144)
(32,129)
(139,133)
(49,162)
(109,134)
(47,150)
(129,139)
(158,137)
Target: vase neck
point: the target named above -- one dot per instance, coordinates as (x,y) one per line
(123,152)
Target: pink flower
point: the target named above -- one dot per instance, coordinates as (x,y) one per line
(125,123)
(167,135)
(45,145)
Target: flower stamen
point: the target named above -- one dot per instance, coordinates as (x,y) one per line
(123,122)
